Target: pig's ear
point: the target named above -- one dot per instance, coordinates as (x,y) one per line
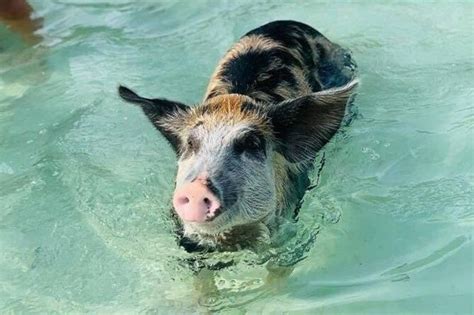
(156,110)
(302,126)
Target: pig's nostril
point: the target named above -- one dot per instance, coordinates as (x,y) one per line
(207,202)
(183,200)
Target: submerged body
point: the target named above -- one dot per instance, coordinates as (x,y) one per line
(276,97)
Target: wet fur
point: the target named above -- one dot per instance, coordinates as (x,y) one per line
(264,82)
(296,61)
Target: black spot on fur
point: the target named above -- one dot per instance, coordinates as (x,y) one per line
(259,71)
(279,30)
(242,71)
(250,107)
(280,76)
(252,144)
(290,34)
(315,85)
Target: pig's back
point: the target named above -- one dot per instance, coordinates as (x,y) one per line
(281,60)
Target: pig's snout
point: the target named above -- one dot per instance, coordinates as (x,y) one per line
(195,202)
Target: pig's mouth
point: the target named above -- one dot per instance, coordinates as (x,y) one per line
(226,220)
(220,222)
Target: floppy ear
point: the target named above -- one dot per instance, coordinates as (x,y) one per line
(302,126)
(156,110)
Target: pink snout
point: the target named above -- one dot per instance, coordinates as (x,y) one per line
(194,202)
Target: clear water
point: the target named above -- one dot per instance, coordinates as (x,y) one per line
(85,181)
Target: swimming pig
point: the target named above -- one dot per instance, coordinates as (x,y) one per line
(275,99)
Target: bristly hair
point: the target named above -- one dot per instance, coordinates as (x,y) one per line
(230,109)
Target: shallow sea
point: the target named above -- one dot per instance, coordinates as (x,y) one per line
(85,180)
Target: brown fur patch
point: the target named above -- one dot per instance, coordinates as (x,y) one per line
(223,109)
(226,108)
(229,109)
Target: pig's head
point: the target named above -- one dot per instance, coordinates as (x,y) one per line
(232,151)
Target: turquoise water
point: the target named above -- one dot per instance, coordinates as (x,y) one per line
(85,181)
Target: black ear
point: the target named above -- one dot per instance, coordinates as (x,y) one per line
(156,110)
(304,125)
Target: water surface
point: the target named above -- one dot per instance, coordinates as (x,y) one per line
(85,180)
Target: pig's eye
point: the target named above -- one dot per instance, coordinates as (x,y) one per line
(251,143)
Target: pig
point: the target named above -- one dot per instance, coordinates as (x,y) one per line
(245,152)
